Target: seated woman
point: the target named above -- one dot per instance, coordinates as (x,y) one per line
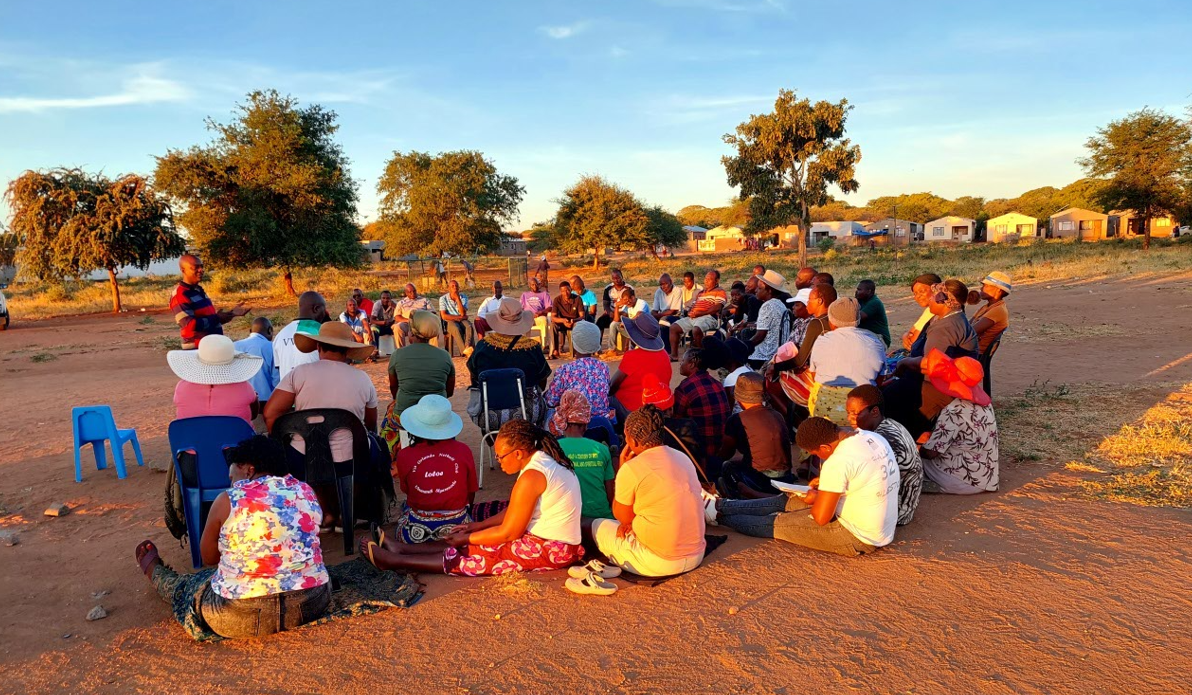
(416,369)
(702,398)
(910,400)
(262,534)
(591,460)
(649,358)
(756,445)
(214,380)
(505,345)
(585,373)
(961,455)
(993,319)
(539,530)
(436,472)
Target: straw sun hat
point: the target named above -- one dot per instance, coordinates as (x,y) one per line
(333,333)
(215,362)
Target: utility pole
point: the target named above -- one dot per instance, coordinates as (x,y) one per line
(894,243)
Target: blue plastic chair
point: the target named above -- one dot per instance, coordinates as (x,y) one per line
(500,389)
(603,423)
(94,424)
(204,474)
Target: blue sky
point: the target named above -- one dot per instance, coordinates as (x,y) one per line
(988,98)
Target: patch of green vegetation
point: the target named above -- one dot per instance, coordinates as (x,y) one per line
(170,342)
(43,357)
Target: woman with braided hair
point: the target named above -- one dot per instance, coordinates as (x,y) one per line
(539,530)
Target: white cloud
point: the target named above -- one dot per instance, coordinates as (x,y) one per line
(727,5)
(142,88)
(565,31)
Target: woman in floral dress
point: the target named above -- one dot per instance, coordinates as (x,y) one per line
(961,456)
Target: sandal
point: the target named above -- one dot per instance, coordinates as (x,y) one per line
(591,584)
(366,550)
(595,567)
(146,553)
(377,533)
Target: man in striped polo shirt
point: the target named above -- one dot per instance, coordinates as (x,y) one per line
(194,313)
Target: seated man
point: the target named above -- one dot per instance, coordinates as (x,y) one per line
(704,317)
(841,359)
(866,411)
(538,302)
(756,446)
(489,304)
(612,293)
(365,304)
(873,312)
(659,526)
(384,315)
(668,305)
(567,310)
(453,310)
(356,319)
(626,307)
(406,306)
(852,507)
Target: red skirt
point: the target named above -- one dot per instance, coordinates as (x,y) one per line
(526,554)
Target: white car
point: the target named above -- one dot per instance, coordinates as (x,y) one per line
(3,310)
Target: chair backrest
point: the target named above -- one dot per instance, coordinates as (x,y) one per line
(315,427)
(502,389)
(208,437)
(94,422)
(603,423)
(991,350)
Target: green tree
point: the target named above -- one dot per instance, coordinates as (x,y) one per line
(9,243)
(698,215)
(543,236)
(454,202)
(1144,160)
(597,215)
(271,189)
(916,207)
(786,160)
(73,223)
(665,230)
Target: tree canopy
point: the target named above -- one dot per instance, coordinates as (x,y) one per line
(73,222)
(597,215)
(735,214)
(272,188)
(454,201)
(786,160)
(664,230)
(1145,162)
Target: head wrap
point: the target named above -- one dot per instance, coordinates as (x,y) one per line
(573,409)
(943,296)
(424,324)
(750,388)
(656,393)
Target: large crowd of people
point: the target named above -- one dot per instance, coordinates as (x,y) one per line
(793,415)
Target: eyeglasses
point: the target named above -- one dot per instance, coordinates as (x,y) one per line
(501,457)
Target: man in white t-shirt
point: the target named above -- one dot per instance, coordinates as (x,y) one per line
(490,304)
(312,312)
(627,306)
(851,509)
(668,305)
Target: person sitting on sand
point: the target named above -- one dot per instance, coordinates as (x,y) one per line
(961,455)
(436,472)
(852,507)
(756,444)
(679,433)
(702,398)
(659,526)
(262,533)
(866,411)
(591,460)
(539,530)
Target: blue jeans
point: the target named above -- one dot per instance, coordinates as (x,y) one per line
(788,518)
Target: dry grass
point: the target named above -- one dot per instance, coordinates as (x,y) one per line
(1034,329)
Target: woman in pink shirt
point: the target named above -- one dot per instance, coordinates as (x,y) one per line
(214,380)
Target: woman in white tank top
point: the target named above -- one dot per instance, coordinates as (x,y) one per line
(539,530)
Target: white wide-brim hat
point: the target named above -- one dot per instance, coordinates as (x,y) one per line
(431,418)
(214,362)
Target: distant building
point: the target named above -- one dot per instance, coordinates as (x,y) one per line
(949,229)
(840,230)
(1078,223)
(1012,226)
(722,238)
(1128,223)
(694,236)
(512,245)
(900,227)
(375,250)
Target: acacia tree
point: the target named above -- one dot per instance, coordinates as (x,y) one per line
(664,229)
(271,189)
(454,202)
(786,160)
(1145,160)
(73,223)
(597,215)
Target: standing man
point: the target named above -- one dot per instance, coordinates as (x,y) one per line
(194,313)
(453,310)
(612,293)
(383,314)
(544,273)
(312,313)
(406,306)
(490,304)
(703,317)
(667,306)
(260,343)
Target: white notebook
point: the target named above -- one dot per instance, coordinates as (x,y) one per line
(789,488)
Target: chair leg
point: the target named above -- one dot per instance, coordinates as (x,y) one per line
(101,456)
(78,462)
(136,449)
(118,457)
(346,511)
(480,464)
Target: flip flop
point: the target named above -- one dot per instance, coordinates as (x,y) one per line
(595,567)
(148,553)
(377,533)
(590,584)
(368,552)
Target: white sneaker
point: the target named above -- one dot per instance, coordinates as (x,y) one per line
(709,507)
(595,567)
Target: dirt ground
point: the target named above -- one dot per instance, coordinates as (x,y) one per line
(1034,589)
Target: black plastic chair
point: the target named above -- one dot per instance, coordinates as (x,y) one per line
(986,360)
(315,427)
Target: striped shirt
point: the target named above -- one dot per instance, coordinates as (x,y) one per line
(195,314)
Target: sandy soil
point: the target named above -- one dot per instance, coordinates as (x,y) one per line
(1034,589)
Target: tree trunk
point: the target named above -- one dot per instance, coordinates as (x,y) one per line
(595,258)
(116,308)
(802,243)
(289,278)
(1146,232)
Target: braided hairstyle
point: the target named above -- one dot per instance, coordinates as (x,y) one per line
(526,436)
(645,426)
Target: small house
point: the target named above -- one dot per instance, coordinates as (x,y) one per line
(899,227)
(721,239)
(951,229)
(374,250)
(841,230)
(1078,223)
(1128,223)
(512,244)
(1012,226)
(695,234)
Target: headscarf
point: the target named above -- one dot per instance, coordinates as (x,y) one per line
(573,409)
(943,296)
(425,325)
(750,388)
